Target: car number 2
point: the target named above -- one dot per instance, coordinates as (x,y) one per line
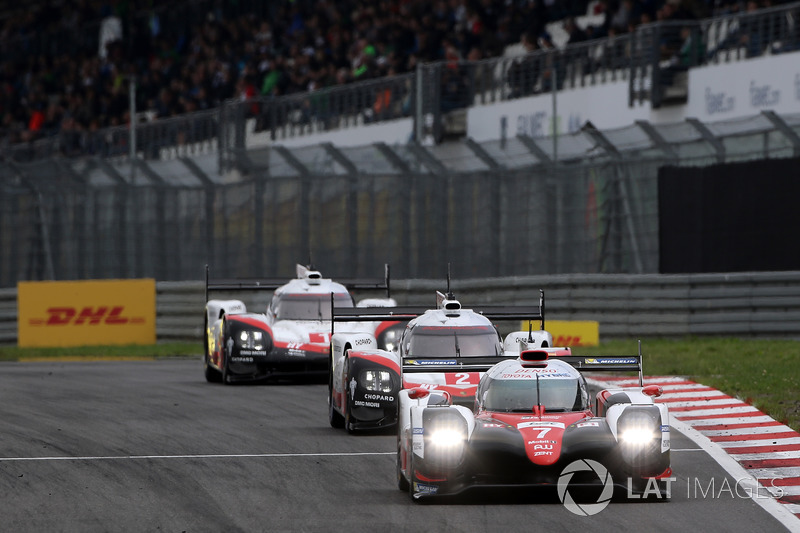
(463,378)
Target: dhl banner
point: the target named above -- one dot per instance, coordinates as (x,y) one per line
(571,332)
(83,313)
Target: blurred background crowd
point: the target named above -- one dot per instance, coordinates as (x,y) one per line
(65,65)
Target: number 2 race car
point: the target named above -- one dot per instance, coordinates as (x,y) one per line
(444,349)
(292,339)
(532,425)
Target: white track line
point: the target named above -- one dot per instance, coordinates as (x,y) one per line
(765,430)
(705,412)
(766,455)
(198,456)
(730,420)
(747,479)
(701,403)
(764,442)
(780,511)
(692,395)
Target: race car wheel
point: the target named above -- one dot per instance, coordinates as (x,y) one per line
(402,482)
(410,466)
(212,374)
(334,417)
(226,378)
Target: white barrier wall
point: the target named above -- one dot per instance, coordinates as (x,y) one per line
(746,88)
(716,92)
(390,132)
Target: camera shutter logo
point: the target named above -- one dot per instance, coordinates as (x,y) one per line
(585,509)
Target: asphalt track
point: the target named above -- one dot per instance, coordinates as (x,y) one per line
(150,446)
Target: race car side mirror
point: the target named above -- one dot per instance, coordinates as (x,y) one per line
(653,390)
(418,392)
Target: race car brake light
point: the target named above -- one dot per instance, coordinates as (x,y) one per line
(653,390)
(418,392)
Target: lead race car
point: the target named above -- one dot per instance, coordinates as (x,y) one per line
(445,349)
(293,337)
(532,425)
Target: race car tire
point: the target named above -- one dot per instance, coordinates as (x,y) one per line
(226,377)
(212,374)
(334,417)
(348,419)
(402,482)
(410,466)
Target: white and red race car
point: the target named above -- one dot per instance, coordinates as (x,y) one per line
(533,425)
(292,339)
(444,349)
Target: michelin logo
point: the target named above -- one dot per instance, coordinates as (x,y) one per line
(437,362)
(611,361)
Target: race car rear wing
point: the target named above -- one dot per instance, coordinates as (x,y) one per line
(452,364)
(377,314)
(607,363)
(271,284)
(441,363)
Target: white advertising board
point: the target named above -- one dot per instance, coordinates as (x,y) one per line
(745,88)
(605,106)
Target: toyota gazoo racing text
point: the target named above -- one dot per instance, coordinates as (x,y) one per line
(443,349)
(292,339)
(532,419)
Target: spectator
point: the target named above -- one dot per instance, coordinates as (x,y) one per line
(523,75)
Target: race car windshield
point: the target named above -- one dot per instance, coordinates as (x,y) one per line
(520,395)
(308,306)
(470,341)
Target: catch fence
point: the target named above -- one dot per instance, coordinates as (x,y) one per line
(498,208)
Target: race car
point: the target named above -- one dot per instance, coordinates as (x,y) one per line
(444,349)
(532,424)
(292,338)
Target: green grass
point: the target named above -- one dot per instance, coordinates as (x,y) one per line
(167,349)
(763,373)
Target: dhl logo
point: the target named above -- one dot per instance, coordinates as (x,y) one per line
(64,316)
(567,340)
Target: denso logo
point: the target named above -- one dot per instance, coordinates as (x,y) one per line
(64,316)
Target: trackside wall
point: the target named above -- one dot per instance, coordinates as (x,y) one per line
(754,304)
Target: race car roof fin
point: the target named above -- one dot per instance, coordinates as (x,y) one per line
(448,303)
(312,277)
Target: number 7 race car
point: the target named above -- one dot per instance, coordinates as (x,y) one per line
(292,339)
(533,425)
(442,349)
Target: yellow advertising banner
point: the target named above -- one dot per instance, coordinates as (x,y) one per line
(84,313)
(570,332)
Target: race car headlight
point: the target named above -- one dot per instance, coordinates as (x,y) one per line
(251,340)
(447,438)
(376,380)
(639,433)
(638,436)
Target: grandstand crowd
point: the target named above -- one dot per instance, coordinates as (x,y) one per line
(65,65)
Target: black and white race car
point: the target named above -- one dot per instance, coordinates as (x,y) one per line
(533,423)
(443,349)
(292,338)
